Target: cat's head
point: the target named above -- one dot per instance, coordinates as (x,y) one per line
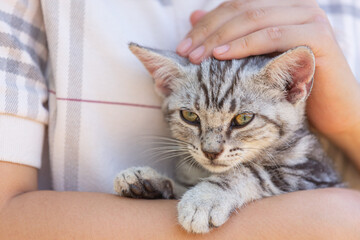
(231,112)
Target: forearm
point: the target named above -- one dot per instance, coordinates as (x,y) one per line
(40,215)
(338,116)
(349,142)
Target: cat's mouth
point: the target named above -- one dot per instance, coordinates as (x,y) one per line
(216,167)
(215,164)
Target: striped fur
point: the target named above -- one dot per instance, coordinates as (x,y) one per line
(274,154)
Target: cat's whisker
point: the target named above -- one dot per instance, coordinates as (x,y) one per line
(184,161)
(159,144)
(173,156)
(171,153)
(256,164)
(165,149)
(166,142)
(192,164)
(271,158)
(167,139)
(234,169)
(168,153)
(268,154)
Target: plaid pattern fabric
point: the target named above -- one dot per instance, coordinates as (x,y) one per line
(65,65)
(23,88)
(23,57)
(344,16)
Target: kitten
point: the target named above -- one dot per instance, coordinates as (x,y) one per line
(242,128)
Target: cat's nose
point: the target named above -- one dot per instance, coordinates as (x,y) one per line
(212,155)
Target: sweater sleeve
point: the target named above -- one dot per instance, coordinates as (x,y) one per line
(23,86)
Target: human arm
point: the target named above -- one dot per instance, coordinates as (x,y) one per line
(246,28)
(26,213)
(349,142)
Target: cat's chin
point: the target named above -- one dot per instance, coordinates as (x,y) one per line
(216,168)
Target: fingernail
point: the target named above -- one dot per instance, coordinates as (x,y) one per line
(197,53)
(222,49)
(184,45)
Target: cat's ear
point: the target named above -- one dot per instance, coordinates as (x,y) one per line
(293,71)
(164,66)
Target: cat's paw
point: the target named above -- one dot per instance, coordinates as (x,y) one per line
(143,182)
(203,208)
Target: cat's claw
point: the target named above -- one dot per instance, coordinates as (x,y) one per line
(203,208)
(143,182)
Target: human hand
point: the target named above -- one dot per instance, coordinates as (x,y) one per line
(241,28)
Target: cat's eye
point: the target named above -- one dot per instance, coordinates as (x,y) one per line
(190,117)
(243,119)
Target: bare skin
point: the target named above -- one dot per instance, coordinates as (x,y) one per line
(26,213)
(30,214)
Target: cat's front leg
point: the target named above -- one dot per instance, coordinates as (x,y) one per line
(143,182)
(207,205)
(210,203)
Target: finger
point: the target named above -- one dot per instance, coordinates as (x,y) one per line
(207,25)
(254,20)
(196,16)
(278,39)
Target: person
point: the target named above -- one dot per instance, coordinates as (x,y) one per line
(67,74)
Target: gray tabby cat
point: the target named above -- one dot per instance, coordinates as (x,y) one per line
(241,126)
